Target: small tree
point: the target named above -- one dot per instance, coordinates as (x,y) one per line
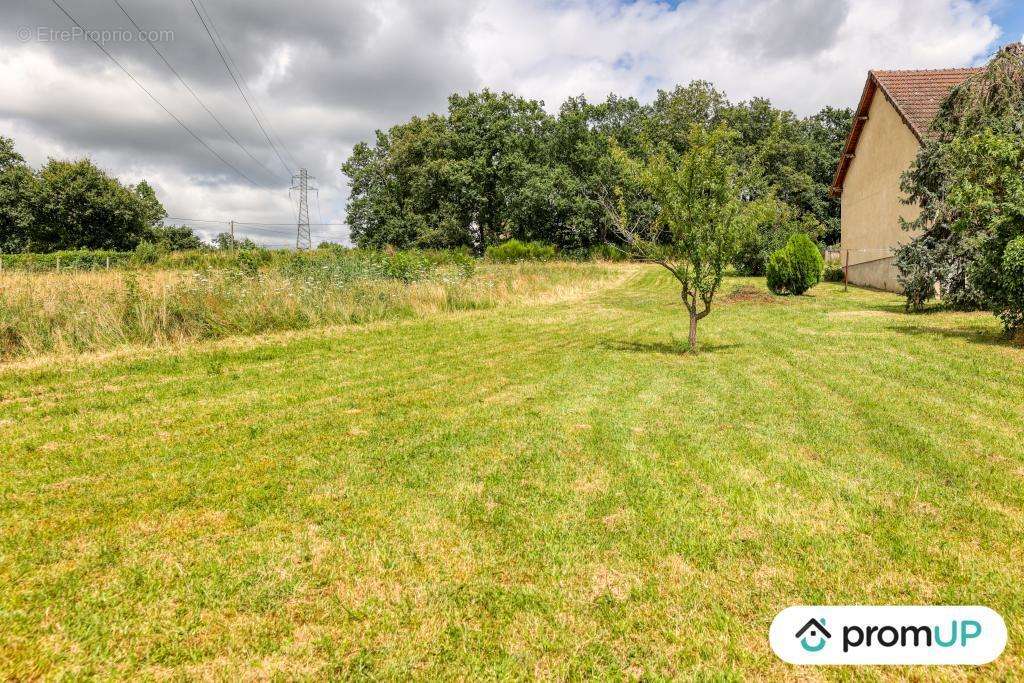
(700,222)
(916,265)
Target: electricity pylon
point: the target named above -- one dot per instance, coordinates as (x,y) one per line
(303,237)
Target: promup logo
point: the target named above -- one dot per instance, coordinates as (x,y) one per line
(815,631)
(888,635)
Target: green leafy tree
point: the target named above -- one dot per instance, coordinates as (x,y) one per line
(496,167)
(228,242)
(969,182)
(825,134)
(674,113)
(153,211)
(78,206)
(175,238)
(18,187)
(701,219)
(496,141)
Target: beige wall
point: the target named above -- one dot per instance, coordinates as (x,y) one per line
(871,201)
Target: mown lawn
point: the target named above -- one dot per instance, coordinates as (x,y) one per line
(552,490)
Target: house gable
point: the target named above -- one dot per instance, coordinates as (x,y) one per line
(872,201)
(915,96)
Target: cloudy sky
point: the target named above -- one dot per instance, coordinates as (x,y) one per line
(323,74)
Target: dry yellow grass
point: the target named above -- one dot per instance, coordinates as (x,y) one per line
(55,314)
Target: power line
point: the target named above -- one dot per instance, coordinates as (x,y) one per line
(211,220)
(190,90)
(245,84)
(319,213)
(153,97)
(237,84)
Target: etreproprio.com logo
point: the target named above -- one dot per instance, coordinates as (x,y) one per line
(888,635)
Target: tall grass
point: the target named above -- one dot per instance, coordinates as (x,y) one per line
(75,312)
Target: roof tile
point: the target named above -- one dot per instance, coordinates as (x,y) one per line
(918,94)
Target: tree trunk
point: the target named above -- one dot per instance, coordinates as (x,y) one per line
(693,331)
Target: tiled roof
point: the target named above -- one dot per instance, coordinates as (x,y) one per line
(916,96)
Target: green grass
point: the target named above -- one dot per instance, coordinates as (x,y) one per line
(554,490)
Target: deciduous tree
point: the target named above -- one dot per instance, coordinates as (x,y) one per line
(701,217)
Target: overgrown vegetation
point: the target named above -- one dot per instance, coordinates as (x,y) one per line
(77,259)
(514,251)
(969,182)
(250,292)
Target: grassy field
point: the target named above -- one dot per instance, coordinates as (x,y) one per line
(552,488)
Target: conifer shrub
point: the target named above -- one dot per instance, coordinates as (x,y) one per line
(796,267)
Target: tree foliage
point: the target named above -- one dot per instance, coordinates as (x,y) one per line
(71,205)
(496,167)
(969,181)
(18,187)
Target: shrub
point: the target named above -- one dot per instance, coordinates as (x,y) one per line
(779,271)
(807,262)
(796,267)
(514,250)
(146,254)
(916,271)
(1013,286)
(249,261)
(833,272)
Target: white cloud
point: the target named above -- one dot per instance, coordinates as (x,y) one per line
(801,54)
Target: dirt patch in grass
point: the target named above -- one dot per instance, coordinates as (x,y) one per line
(749,294)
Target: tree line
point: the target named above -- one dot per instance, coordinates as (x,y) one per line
(496,166)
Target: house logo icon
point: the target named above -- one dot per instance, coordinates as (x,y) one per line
(815,632)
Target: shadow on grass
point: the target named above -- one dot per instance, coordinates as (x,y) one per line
(902,309)
(672,348)
(985,337)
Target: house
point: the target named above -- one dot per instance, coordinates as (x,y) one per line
(892,121)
